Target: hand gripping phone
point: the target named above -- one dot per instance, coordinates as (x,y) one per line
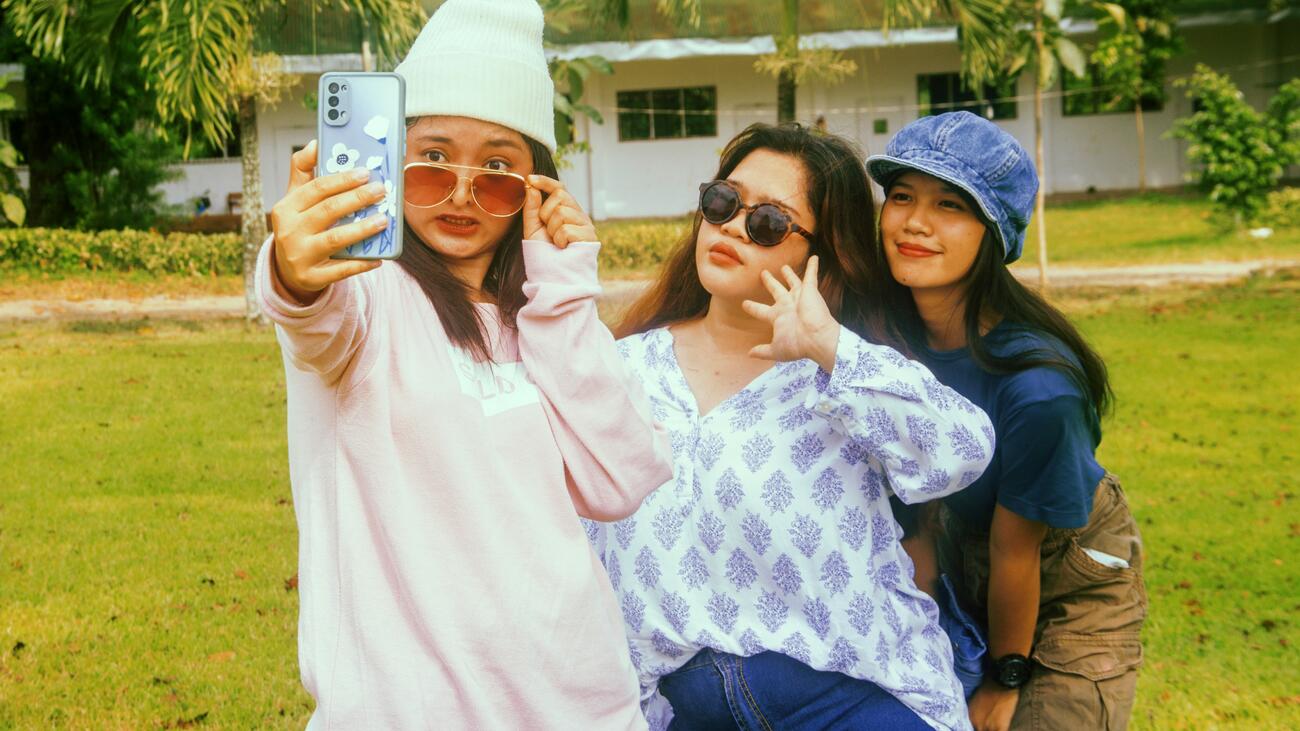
(362,124)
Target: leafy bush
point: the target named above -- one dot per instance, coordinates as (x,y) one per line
(1282,209)
(56,250)
(95,154)
(1239,152)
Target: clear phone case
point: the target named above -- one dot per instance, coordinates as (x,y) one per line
(362,124)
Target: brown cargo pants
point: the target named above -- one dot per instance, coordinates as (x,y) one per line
(1087,647)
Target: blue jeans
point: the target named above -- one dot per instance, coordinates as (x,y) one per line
(715,691)
(968,643)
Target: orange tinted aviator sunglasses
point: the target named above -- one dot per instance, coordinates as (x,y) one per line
(496,192)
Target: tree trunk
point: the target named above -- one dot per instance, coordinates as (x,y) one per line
(785,102)
(1039,205)
(1142,147)
(253,224)
(785,86)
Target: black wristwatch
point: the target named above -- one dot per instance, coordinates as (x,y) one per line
(1011,671)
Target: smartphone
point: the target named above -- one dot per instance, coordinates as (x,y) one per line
(362,124)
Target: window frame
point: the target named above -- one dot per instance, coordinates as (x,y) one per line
(653,109)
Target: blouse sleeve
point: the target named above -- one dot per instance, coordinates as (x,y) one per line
(930,440)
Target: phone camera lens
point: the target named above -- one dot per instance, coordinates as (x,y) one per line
(334,101)
(333,114)
(334,88)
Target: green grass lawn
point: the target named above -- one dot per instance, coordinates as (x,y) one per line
(147,541)
(1150,229)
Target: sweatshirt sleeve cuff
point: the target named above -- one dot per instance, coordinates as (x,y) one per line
(572,266)
(273,303)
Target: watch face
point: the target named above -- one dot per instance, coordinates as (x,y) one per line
(1013,672)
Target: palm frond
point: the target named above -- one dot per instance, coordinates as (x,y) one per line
(986,32)
(192,53)
(394,23)
(81,34)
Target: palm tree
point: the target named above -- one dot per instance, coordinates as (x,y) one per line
(792,65)
(1045,46)
(201,64)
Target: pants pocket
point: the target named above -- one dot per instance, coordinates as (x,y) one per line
(1056,700)
(1095,657)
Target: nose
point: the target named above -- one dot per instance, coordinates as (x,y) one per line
(736,226)
(916,222)
(462,196)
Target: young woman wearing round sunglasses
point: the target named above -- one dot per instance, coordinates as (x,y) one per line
(449,413)
(765,587)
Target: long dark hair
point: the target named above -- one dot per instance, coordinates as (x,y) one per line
(504,280)
(839,194)
(991,289)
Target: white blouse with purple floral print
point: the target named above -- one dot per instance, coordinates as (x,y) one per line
(776,532)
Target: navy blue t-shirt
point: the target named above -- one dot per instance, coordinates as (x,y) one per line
(1043,465)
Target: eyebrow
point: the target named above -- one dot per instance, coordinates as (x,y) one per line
(762,198)
(444,140)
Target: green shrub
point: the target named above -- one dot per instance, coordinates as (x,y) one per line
(1282,209)
(56,250)
(639,244)
(1239,153)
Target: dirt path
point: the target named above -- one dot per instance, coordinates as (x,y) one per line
(618,291)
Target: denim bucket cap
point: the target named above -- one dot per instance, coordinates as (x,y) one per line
(975,155)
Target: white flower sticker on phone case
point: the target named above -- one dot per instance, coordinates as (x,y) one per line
(377,128)
(341,158)
(374,161)
(388,206)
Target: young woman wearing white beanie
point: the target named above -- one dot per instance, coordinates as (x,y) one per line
(452,413)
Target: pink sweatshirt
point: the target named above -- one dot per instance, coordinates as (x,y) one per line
(445,580)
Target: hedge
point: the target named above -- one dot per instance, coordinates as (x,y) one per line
(627,246)
(57,250)
(639,245)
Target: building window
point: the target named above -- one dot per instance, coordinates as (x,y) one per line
(939,93)
(658,114)
(1085,95)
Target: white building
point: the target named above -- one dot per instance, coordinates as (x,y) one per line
(649,163)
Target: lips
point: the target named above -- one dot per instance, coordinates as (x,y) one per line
(459,225)
(915,251)
(724,254)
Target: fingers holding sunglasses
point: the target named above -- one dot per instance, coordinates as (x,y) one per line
(567,225)
(533,228)
(563,217)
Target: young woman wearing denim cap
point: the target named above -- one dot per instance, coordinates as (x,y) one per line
(765,587)
(453,413)
(1042,547)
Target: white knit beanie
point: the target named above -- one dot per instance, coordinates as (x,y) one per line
(483,59)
